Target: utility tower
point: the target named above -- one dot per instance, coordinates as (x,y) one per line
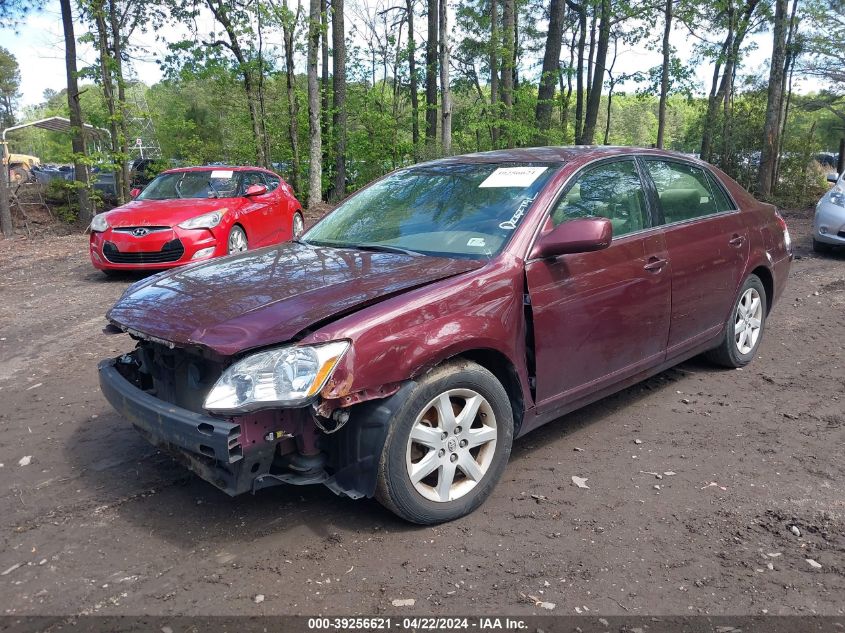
(143,142)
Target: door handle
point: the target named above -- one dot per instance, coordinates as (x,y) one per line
(737,241)
(655,264)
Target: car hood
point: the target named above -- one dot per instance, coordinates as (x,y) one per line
(167,212)
(268,296)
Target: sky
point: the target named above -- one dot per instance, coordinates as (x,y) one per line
(38,46)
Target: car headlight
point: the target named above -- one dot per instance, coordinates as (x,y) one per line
(204,221)
(281,377)
(837,197)
(99,223)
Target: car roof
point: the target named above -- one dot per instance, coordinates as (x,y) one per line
(219,167)
(557,154)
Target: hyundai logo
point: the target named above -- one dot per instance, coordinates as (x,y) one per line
(140,232)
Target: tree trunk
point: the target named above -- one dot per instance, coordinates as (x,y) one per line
(325,109)
(494,72)
(664,74)
(86,211)
(339,90)
(445,90)
(98,9)
(123,120)
(551,69)
(288,27)
(412,70)
(592,51)
(508,26)
(789,67)
(581,10)
(774,104)
(594,97)
(315,172)
(6,225)
(431,75)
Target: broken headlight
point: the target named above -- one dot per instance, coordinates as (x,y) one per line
(281,377)
(99,223)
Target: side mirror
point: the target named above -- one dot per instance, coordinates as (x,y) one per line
(135,193)
(576,236)
(832,177)
(255,190)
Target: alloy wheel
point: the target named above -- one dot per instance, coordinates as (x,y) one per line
(451,445)
(748,321)
(237,240)
(298,225)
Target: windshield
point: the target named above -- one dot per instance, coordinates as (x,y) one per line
(462,210)
(213,183)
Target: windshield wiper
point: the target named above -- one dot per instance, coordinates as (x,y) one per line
(383,248)
(213,188)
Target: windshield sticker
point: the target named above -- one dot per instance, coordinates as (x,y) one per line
(510,225)
(512,177)
(223,174)
(476,241)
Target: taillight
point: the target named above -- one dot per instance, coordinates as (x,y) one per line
(787,240)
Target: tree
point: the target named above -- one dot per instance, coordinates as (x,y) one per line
(445,94)
(551,68)
(76,122)
(431,74)
(412,72)
(664,73)
(289,20)
(315,172)
(508,61)
(339,93)
(594,96)
(774,104)
(10,81)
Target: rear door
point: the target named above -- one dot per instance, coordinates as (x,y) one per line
(600,317)
(708,246)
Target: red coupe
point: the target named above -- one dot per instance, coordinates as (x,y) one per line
(196,213)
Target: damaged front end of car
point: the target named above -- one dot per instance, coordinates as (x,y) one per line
(253,422)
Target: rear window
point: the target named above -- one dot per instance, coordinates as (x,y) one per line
(683,189)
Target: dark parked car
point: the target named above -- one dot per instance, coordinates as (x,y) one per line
(398,347)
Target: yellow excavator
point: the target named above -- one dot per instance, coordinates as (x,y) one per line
(20,167)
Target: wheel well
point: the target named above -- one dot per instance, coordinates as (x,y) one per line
(504,371)
(765,276)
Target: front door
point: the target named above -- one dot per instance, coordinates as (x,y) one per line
(603,316)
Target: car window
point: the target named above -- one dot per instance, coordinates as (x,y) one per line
(723,203)
(251,178)
(612,191)
(216,183)
(683,190)
(456,209)
(272,182)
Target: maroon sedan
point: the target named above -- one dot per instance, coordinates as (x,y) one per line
(195,213)
(399,347)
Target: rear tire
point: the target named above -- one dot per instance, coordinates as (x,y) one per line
(744,329)
(297,225)
(462,425)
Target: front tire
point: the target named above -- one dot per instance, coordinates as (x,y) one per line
(744,329)
(447,446)
(237,242)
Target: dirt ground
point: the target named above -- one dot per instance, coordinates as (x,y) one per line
(99,522)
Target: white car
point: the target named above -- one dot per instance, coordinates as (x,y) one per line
(829,224)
